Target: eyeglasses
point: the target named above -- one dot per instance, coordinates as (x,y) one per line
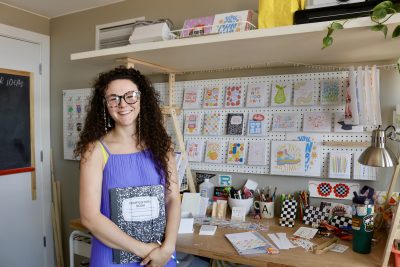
(130,97)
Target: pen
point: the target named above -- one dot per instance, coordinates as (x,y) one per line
(172,256)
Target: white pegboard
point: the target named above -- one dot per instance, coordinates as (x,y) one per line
(317,78)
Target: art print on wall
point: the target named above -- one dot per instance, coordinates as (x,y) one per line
(331,92)
(363,172)
(285,122)
(303,93)
(194,149)
(214,152)
(288,157)
(235,124)
(233,96)
(211,97)
(341,127)
(236,153)
(317,122)
(257,153)
(256,123)
(212,123)
(281,93)
(257,95)
(328,189)
(339,165)
(192,98)
(192,124)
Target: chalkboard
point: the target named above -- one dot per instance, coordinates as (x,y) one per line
(16,111)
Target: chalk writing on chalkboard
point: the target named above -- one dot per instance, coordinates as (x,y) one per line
(15,122)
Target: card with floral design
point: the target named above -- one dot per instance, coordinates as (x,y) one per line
(233,96)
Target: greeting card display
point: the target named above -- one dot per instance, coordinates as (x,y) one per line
(339,165)
(195,150)
(212,123)
(214,152)
(317,122)
(236,152)
(288,157)
(235,124)
(211,97)
(197,26)
(257,95)
(363,172)
(303,93)
(233,96)
(192,98)
(281,93)
(192,124)
(331,92)
(285,122)
(257,153)
(256,123)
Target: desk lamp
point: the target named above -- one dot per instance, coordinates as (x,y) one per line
(377,155)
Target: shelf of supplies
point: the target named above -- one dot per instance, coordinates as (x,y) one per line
(276,47)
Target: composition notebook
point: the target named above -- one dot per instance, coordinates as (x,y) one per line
(139,212)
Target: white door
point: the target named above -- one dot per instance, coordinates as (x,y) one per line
(26,223)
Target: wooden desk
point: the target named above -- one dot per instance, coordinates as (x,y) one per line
(218,247)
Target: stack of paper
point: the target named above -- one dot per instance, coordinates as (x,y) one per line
(251,243)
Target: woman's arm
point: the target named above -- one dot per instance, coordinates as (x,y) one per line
(91,176)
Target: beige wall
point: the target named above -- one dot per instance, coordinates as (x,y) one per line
(76,32)
(24,20)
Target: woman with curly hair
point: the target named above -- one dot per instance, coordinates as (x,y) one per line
(124,144)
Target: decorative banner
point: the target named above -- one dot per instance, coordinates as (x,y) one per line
(327,189)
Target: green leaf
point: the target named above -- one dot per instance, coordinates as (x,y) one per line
(336,26)
(330,31)
(380,27)
(396,32)
(379,14)
(383,5)
(327,41)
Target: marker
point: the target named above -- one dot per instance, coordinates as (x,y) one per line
(172,256)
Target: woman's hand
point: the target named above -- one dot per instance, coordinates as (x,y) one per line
(158,257)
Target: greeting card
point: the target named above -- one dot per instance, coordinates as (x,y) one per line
(236,152)
(341,127)
(256,125)
(212,123)
(363,172)
(288,157)
(317,122)
(211,97)
(257,153)
(197,26)
(192,98)
(233,96)
(339,165)
(235,124)
(303,93)
(194,149)
(331,92)
(192,124)
(281,93)
(257,95)
(214,152)
(286,122)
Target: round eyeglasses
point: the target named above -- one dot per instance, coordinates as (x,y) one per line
(130,97)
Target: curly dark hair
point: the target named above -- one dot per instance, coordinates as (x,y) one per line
(152,133)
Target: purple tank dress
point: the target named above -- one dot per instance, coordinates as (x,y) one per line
(123,170)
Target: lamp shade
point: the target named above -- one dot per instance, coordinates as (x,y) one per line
(377,155)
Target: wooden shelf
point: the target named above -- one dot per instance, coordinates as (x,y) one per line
(298,43)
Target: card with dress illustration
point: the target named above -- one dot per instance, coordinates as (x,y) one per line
(286,122)
(304,93)
(363,172)
(317,122)
(257,153)
(288,157)
(257,95)
(214,152)
(236,153)
(197,26)
(257,123)
(281,93)
(235,123)
(211,97)
(339,165)
(341,127)
(331,92)
(212,123)
(192,97)
(192,124)
(233,96)
(194,149)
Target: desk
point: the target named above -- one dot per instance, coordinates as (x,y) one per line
(218,247)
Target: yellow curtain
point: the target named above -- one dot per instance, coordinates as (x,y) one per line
(274,13)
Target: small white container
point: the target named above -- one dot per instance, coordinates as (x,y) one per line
(206,189)
(247,203)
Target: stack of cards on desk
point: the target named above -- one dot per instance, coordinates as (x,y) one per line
(251,243)
(207,230)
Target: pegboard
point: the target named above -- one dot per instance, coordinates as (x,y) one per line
(340,76)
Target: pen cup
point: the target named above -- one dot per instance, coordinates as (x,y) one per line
(266,209)
(246,203)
